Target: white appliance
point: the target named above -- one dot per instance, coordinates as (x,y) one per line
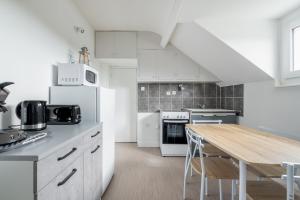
(172,133)
(97,105)
(77,74)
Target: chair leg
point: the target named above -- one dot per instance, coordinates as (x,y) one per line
(233,189)
(202,187)
(220,189)
(206,186)
(186,170)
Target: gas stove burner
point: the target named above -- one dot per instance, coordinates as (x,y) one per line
(14,138)
(8,136)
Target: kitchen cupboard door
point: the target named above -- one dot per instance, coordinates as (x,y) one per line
(186,69)
(114,44)
(125,45)
(166,63)
(147,67)
(148,129)
(68,185)
(92,172)
(105,44)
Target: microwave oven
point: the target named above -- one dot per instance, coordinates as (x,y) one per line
(77,74)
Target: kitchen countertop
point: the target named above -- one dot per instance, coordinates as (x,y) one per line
(199,110)
(58,137)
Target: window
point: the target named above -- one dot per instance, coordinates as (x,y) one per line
(295,49)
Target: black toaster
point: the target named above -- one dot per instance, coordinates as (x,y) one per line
(63,114)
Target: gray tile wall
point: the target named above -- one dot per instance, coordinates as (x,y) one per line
(232,98)
(155,96)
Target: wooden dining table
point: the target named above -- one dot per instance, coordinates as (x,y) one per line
(249,146)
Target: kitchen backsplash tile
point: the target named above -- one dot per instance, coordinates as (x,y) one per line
(168,96)
(232,98)
(187,102)
(143,90)
(176,104)
(188,90)
(153,90)
(199,90)
(210,90)
(238,91)
(165,103)
(143,104)
(163,89)
(153,104)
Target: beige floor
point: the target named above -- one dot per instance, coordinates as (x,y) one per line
(142,174)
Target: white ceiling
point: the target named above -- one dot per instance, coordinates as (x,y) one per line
(236,9)
(152,15)
(134,15)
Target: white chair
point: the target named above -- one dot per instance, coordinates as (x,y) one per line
(210,167)
(209,150)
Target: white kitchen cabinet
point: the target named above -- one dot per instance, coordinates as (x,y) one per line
(147,67)
(68,185)
(92,172)
(114,44)
(148,40)
(148,129)
(67,165)
(166,65)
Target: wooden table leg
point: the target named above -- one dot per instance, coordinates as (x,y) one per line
(243,180)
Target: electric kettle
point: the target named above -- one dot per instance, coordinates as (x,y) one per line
(32,115)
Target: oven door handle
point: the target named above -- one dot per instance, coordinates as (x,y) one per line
(176,121)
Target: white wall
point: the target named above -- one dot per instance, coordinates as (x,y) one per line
(274,109)
(255,39)
(35,36)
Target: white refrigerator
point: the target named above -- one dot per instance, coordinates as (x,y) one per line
(97,104)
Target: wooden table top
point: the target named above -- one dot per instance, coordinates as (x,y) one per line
(249,145)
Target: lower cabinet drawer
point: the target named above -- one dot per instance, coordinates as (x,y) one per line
(93,172)
(68,185)
(51,166)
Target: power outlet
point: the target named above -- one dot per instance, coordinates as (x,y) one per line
(173,92)
(168,93)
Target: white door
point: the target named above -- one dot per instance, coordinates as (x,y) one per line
(123,80)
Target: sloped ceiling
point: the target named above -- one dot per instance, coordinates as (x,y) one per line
(233,55)
(204,48)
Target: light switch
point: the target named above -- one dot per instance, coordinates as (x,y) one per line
(168,93)
(173,92)
(142,89)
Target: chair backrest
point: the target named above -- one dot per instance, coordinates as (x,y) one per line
(194,140)
(207,121)
(291,178)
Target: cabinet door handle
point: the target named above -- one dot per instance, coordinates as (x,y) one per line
(67,178)
(98,132)
(98,146)
(63,157)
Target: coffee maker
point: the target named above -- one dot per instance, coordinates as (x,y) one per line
(32,115)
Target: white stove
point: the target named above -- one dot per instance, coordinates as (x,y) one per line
(172,133)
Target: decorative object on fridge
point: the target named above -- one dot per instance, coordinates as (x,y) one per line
(71,57)
(3,95)
(84,56)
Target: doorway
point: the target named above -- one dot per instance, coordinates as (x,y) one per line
(123,80)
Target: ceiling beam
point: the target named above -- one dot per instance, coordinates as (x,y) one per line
(171,22)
